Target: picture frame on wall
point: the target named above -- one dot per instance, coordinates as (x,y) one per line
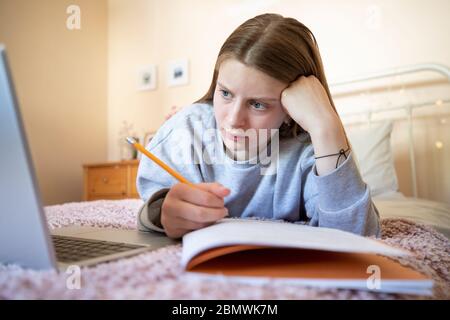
(178,72)
(147,78)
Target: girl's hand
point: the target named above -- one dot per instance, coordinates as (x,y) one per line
(186,208)
(306,102)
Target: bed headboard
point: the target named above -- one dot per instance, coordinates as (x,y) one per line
(393,81)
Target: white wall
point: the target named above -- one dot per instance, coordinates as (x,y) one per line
(352,35)
(119,36)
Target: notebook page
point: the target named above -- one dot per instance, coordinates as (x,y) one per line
(278,234)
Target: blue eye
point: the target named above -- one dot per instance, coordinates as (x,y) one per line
(258,106)
(225,93)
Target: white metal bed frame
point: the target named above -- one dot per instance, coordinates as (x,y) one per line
(408,108)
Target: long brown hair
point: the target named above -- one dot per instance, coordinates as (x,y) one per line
(283,48)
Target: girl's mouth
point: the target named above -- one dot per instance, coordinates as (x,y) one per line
(233,137)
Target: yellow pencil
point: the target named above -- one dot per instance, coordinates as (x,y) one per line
(175,174)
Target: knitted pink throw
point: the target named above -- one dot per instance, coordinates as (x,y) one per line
(158,275)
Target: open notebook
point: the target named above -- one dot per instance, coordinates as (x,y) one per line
(256,251)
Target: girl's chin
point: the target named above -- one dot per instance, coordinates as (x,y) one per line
(231,145)
(240,144)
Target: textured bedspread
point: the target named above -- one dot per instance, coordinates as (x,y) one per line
(158,275)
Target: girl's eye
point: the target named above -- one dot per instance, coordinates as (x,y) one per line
(258,106)
(225,93)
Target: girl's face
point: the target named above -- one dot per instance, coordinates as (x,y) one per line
(246,99)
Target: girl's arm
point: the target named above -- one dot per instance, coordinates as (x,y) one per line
(328,140)
(339,199)
(334,193)
(171,207)
(306,102)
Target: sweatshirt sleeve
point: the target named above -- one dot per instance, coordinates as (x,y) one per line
(172,143)
(149,215)
(339,199)
(152,184)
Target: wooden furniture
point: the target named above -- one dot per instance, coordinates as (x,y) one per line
(110,180)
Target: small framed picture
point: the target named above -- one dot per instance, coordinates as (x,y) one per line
(178,72)
(147,78)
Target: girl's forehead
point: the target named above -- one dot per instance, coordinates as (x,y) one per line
(240,78)
(232,68)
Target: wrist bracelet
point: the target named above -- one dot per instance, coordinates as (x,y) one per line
(341,153)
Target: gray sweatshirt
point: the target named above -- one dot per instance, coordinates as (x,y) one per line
(283,184)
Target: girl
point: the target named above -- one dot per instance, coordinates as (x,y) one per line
(268,79)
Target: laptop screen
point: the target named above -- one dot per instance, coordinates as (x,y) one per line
(24,236)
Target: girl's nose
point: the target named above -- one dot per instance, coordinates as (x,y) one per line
(237,115)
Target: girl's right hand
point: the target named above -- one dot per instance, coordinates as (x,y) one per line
(186,208)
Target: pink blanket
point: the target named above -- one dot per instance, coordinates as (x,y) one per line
(158,275)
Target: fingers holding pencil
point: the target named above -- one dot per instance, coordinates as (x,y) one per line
(188,206)
(185,209)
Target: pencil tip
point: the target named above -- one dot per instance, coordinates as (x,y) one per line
(131,140)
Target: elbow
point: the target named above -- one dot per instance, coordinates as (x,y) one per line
(357,220)
(373,222)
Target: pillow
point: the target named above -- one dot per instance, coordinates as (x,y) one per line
(372,152)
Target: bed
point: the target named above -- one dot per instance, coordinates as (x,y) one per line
(375,159)
(431,213)
(398,124)
(158,275)
(408,221)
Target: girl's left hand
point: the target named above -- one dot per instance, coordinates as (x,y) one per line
(306,102)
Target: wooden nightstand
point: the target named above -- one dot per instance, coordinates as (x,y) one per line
(110,180)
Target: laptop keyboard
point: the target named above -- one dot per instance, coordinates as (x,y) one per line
(69,249)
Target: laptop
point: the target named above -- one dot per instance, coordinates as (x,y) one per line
(25,238)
